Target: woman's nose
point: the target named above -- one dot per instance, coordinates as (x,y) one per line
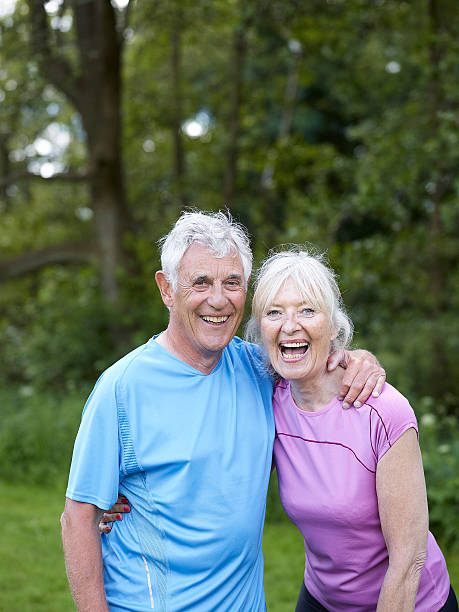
(290,324)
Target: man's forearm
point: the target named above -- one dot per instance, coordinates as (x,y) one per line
(83,557)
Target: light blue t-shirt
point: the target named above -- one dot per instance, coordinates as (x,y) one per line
(192,452)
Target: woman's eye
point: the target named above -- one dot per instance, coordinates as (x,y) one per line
(272,314)
(308,312)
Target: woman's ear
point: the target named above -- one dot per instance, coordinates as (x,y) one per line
(334,330)
(165,288)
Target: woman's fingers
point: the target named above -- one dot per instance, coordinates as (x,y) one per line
(115,513)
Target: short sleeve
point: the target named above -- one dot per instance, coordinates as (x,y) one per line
(259,361)
(390,416)
(94,473)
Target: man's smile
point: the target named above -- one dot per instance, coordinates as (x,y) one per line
(215,320)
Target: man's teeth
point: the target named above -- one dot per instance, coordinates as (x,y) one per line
(215,319)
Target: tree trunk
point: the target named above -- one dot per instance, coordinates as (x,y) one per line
(100,56)
(177,111)
(95,90)
(439,180)
(273,204)
(239,52)
(4,170)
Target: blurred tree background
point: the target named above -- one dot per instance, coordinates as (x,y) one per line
(329,121)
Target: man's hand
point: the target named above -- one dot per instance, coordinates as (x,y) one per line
(114,514)
(363,377)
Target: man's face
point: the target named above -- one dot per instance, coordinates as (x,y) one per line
(208,306)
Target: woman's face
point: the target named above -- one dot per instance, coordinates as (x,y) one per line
(296,335)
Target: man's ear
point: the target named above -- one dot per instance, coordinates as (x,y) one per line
(165,288)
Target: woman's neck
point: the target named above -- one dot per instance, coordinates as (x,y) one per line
(313,395)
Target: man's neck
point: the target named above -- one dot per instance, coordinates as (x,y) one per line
(193,358)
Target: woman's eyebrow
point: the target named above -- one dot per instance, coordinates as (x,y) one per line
(297,304)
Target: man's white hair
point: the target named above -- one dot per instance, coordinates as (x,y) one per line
(316,283)
(215,231)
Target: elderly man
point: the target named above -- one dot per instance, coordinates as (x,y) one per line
(183,427)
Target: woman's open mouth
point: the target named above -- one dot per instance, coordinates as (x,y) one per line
(293,350)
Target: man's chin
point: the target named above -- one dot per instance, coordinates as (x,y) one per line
(219,344)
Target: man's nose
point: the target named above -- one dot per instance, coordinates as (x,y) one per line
(217,298)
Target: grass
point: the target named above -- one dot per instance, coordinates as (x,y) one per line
(32,573)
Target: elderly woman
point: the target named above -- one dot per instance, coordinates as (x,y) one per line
(351,480)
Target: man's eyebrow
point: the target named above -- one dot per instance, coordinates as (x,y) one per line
(206,278)
(200,277)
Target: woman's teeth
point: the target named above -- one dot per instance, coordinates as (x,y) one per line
(291,350)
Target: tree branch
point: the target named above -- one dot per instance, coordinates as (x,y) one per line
(57,69)
(19,265)
(69,177)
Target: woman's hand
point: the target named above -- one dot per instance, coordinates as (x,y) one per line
(114,514)
(363,377)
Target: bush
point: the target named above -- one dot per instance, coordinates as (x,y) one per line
(37,435)
(439,439)
(64,334)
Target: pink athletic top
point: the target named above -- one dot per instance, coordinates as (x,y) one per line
(326,465)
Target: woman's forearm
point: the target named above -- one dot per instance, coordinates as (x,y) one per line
(398,591)
(402,503)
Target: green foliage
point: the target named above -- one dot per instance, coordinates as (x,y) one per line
(346,127)
(37,435)
(439,438)
(47,349)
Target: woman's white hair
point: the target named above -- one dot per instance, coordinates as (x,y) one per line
(216,231)
(316,282)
